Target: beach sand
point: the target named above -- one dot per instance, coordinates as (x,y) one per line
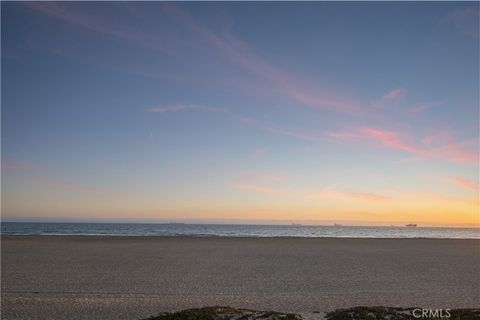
(102,277)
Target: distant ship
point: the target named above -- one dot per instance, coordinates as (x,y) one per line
(296,224)
(337,225)
(411,225)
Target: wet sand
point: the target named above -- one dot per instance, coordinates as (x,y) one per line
(99,277)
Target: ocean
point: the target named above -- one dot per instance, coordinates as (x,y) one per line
(230,230)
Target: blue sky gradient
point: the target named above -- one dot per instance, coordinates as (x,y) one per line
(311,111)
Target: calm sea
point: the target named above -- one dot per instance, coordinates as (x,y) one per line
(224,230)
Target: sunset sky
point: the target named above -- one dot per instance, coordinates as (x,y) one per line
(335,112)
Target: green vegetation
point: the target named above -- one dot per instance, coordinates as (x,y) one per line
(356,313)
(224,313)
(371,313)
(386,313)
(465,314)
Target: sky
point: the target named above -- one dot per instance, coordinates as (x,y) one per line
(241,112)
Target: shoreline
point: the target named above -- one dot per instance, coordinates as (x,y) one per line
(239,231)
(133,277)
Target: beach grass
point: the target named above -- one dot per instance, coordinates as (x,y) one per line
(356,313)
(381,313)
(224,313)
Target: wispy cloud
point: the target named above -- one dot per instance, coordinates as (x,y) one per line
(258,177)
(421,107)
(295,133)
(35,172)
(79,15)
(180,107)
(260,124)
(465,20)
(201,41)
(11,165)
(260,182)
(392,140)
(239,53)
(331,193)
(440,145)
(259,152)
(436,146)
(260,189)
(345,136)
(391,97)
(77,187)
(463,183)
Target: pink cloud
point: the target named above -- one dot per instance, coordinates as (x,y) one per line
(34,173)
(75,186)
(392,140)
(259,152)
(408,160)
(259,188)
(256,177)
(11,165)
(463,183)
(315,100)
(330,193)
(261,125)
(392,96)
(260,181)
(299,134)
(465,20)
(74,14)
(180,107)
(432,138)
(345,136)
(457,152)
(239,53)
(419,108)
(440,145)
(242,119)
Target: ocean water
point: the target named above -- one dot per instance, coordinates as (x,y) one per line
(225,230)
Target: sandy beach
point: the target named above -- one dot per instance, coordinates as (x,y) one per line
(100,277)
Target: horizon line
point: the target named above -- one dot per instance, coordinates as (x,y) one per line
(237,222)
